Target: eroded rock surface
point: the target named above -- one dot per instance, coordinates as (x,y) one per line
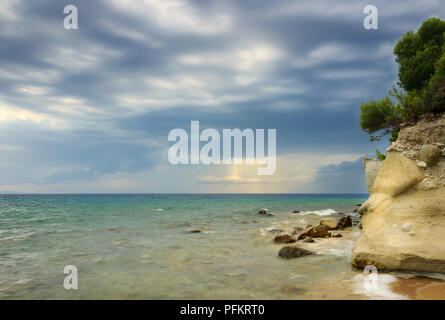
(404,218)
(319,231)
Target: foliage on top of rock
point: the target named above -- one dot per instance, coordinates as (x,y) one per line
(421,59)
(417,54)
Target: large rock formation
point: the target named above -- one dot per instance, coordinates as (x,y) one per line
(404,218)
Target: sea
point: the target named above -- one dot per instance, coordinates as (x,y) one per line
(171,246)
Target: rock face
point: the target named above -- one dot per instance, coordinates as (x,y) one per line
(293,252)
(372,167)
(404,218)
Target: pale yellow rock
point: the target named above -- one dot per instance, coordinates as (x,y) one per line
(331,223)
(403,221)
(397,175)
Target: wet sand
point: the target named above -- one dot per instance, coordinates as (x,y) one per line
(420,288)
(348,284)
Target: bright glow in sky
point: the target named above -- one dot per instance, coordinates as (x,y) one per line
(89,110)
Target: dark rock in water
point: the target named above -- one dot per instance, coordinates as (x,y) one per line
(275,231)
(293,252)
(355,210)
(336,235)
(296,211)
(319,231)
(293,290)
(113,229)
(359,205)
(193,231)
(285,238)
(265,212)
(308,239)
(360,226)
(344,222)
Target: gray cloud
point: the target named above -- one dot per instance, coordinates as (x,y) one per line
(78,105)
(346,177)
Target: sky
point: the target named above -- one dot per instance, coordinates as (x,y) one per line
(90,110)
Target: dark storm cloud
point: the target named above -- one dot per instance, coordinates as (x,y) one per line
(346,177)
(102,99)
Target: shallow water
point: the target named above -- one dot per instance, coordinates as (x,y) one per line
(140,247)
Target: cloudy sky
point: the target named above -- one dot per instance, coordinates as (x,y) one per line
(89,110)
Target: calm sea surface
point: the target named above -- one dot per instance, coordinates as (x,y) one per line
(139,246)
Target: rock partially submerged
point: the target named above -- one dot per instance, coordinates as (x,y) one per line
(193,231)
(344,222)
(265,212)
(331,223)
(290,252)
(285,238)
(296,211)
(308,239)
(326,224)
(319,231)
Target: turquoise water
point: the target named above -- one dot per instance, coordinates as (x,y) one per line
(140,247)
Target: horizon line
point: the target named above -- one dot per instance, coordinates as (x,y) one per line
(174,193)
